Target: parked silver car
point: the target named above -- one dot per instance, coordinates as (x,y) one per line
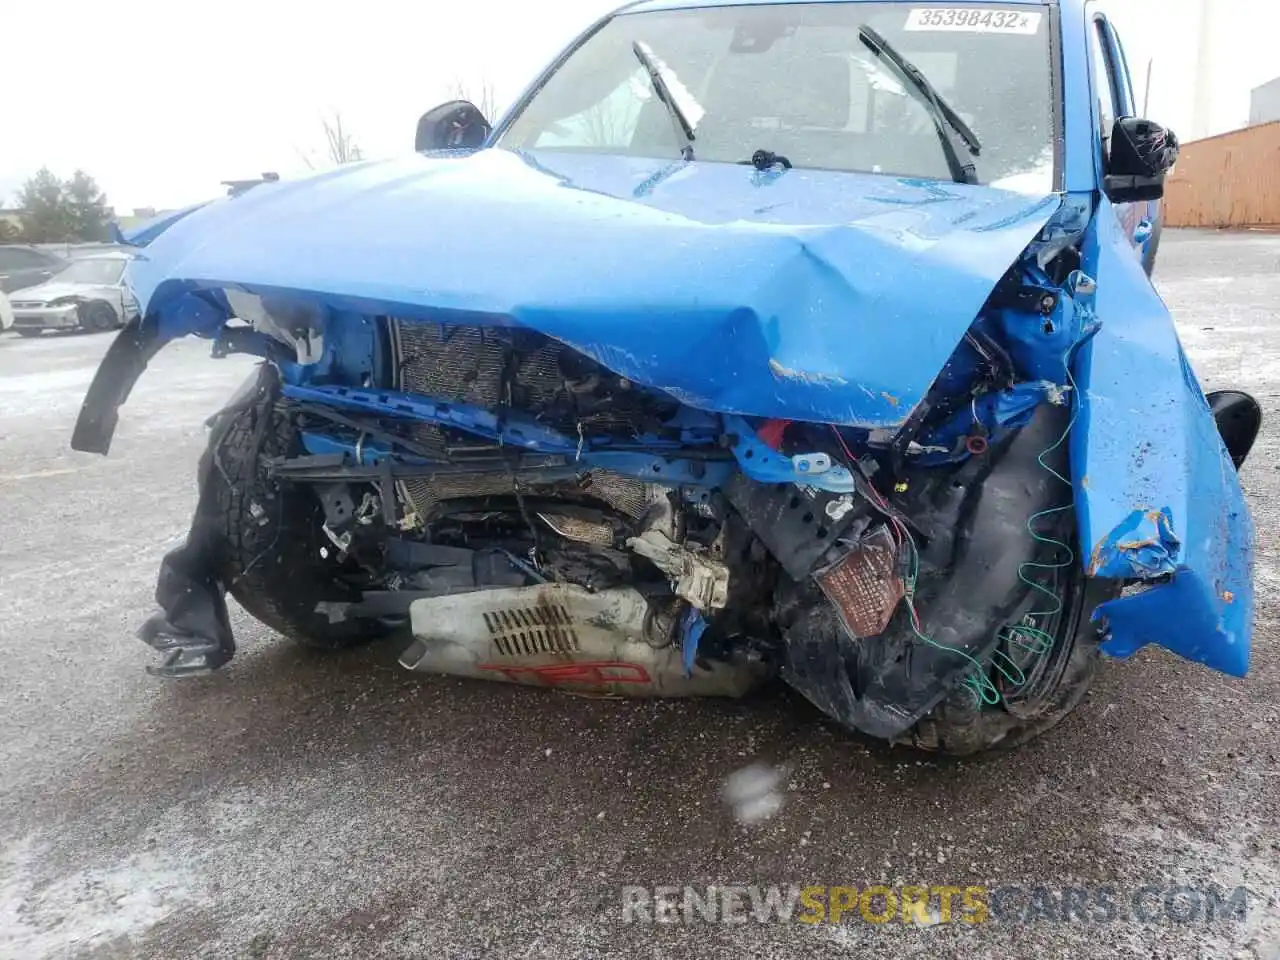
(91,293)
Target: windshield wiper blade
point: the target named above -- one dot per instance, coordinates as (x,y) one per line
(945,119)
(679,122)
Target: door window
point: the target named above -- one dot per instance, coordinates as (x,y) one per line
(1104,83)
(1128,102)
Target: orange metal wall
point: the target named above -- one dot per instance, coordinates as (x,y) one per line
(1232,180)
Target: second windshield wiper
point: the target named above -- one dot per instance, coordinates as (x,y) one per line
(945,119)
(681,124)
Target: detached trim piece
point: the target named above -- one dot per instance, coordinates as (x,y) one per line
(126,358)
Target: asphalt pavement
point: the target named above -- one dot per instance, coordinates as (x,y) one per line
(307,805)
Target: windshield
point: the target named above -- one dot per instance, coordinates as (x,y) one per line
(100,271)
(796,80)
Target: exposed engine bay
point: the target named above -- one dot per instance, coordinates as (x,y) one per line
(530,516)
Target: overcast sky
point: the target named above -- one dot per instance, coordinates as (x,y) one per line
(162,100)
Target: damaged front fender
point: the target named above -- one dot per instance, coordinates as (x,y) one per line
(1158,498)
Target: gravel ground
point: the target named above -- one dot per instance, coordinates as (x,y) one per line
(301,805)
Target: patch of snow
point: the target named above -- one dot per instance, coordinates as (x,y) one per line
(87,908)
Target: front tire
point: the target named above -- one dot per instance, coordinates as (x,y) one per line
(272,535)
(962,726)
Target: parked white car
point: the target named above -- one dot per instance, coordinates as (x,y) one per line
(90,293)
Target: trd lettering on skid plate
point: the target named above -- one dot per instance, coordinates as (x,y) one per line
(600,673)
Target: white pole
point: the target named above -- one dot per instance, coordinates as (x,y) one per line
(1202,109)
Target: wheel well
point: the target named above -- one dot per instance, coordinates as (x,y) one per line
(89,304)
(87,307)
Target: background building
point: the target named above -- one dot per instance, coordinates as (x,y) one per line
(1264,103)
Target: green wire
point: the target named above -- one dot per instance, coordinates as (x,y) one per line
(1026,636)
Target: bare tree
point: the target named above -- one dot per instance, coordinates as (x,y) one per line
(609,124)
(479,93)
(339,145)
(342,145)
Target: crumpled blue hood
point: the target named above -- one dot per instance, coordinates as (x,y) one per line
(807,295)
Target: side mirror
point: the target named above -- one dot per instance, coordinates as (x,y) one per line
(1142,153)
(456,125)
(1239,418)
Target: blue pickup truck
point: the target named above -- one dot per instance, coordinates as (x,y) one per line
(758,338)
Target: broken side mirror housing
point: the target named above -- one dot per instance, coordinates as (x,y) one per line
(1142,154)
(456,125)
